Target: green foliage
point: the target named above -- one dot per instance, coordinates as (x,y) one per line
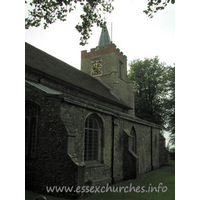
(154,5)
(170,105)
(48,11)
(154,86)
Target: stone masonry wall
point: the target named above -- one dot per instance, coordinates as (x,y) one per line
(130,160)
(61,140)
(110,76)
(51,165)
(164,156)
(143,147)
(97,172)
(155,146)
(111,48)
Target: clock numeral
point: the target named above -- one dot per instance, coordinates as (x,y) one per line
(96,69)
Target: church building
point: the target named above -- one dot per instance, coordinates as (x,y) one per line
(81,127)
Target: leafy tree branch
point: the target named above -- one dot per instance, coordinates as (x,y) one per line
(153,6)
(47,12)
(154,86)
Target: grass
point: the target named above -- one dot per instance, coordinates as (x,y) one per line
(29,195)
(165,175)
(143,186)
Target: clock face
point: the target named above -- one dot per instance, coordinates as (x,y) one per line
(96,68)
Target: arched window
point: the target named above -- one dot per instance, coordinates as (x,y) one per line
(92,139)
(133,140)
(31,118)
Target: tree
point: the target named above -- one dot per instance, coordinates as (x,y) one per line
(153,86)
(154,5)
(170,105)
(48,11)
(51,10)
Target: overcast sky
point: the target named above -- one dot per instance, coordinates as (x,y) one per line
(136,35)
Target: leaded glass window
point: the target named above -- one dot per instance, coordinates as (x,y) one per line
(133,140)
(92,131)
(31,118)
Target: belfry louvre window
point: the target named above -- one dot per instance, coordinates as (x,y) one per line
(92,131)
(133,140)
(31,118)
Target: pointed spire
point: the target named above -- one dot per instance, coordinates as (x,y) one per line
(104,39)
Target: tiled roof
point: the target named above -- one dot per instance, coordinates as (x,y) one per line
(47,64)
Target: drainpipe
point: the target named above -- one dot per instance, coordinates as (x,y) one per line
(151,149)
(112,152)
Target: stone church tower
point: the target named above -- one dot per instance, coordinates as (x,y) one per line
(107,64)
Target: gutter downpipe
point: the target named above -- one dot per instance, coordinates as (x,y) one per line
(151,149)
(112,152)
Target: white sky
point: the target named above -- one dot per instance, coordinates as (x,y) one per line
(136,35)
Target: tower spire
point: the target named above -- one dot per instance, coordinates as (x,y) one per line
(104,39)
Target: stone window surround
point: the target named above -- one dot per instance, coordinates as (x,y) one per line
(132,141)
(30,106)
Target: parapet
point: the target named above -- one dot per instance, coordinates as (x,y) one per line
(101,50)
